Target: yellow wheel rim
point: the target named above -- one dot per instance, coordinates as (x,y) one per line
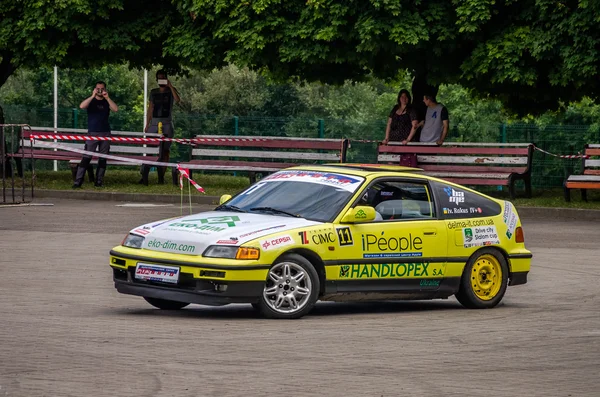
(486,277)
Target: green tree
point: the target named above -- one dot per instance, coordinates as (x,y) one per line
(529,53)
(83,33)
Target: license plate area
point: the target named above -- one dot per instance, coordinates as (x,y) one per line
(150,272)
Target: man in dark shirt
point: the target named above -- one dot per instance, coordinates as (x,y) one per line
(98,107)
(160,120)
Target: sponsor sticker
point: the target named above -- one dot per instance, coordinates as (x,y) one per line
(392,270)
(382,246)
(455,196)
(171,246)
(259,231)
(510,219)
(165,274)
(143,232)
(480,236)
(276,242)
(206,225)
(232,242)
(346,182)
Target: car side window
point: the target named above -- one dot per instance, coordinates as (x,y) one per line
(457,203)
(394,200)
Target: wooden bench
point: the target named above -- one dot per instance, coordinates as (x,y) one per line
(264,154)
(590,179)
(38,151)
(492,164)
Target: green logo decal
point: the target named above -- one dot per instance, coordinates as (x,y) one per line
(360,214)
(344,271)
(468,235)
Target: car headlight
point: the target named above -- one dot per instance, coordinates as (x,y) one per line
(133,241)
(221,251)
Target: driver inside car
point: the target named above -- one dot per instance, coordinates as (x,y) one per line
(365,200)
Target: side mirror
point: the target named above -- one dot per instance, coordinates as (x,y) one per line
(224,198)
(359,214)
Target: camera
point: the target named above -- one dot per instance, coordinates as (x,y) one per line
(163,81)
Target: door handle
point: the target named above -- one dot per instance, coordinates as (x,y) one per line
(430,232)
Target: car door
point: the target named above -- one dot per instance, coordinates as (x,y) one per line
(405,251)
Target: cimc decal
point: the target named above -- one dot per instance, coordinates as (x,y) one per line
(391,270)
(317,238)
(390,246)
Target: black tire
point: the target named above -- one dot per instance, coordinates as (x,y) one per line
(307,302)
(469,294)
(164,304)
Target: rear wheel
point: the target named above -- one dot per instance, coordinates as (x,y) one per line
(165,304)
(484,280)
(291,290)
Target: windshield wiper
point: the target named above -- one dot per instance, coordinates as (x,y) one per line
(229,208)
(278,211)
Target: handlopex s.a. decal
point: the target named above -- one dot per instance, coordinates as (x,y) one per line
(510,219)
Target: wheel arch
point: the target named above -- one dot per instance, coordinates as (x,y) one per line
(495,247)
(314,259)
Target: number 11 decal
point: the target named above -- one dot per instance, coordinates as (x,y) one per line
(345,236)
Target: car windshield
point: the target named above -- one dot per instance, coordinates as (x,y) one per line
(312,195)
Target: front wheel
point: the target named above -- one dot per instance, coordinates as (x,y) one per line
(165,304)
(484,280)
(291,290)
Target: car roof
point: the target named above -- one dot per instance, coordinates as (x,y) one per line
(360,169)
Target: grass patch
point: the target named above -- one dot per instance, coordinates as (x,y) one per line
(126,181)
(551,198)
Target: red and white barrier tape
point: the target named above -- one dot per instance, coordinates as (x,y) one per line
(139,140)
(184,172)
(563,156)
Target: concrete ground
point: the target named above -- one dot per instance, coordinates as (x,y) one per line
(65,331)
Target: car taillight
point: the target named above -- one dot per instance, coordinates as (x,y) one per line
(519,237)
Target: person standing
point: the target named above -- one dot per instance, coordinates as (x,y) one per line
(160,120)
(98,106)
(402,121)
(435,127)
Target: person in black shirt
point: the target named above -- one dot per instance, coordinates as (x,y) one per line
(160,121)
(402,121)
(98,107)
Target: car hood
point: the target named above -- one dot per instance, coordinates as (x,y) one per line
(191,235)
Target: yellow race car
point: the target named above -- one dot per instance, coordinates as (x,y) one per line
(338,232)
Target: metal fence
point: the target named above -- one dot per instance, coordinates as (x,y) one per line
(548,171)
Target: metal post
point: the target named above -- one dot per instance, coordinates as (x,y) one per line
(145,99)
(321,128)
(145,106)
(236,125)
(55,110)
(75,118)
(504,133)
(3,163)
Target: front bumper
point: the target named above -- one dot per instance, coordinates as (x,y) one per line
(240,292)
(198,283)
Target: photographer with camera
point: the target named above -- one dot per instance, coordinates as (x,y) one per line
(98,108)
(160,121)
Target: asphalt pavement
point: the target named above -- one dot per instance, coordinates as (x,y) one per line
(65,331)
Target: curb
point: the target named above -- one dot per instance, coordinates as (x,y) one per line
(550,213)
